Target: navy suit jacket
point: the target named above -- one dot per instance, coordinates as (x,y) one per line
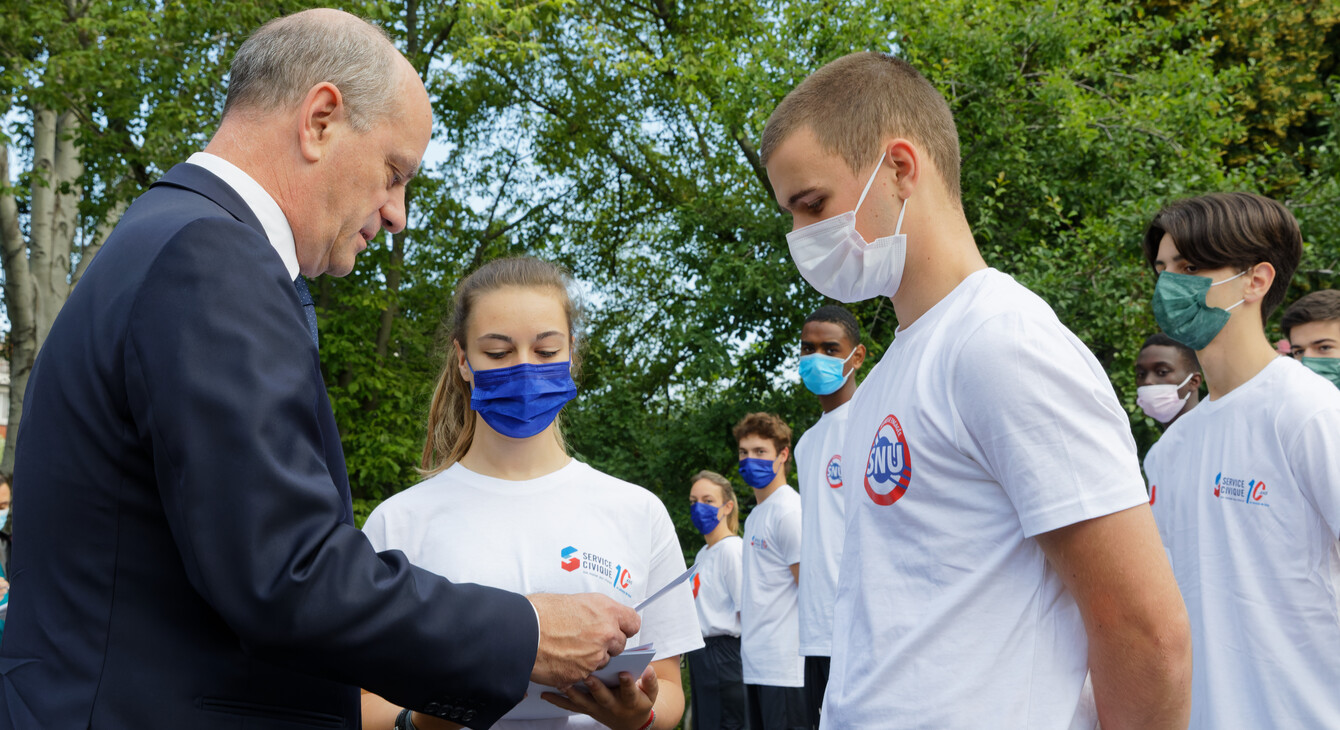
(184,553)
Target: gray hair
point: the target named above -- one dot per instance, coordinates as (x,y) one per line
(286,57)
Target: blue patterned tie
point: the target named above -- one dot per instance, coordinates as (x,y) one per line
(308,307)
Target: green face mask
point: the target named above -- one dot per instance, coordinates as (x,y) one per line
(1181,311)
(1326,367)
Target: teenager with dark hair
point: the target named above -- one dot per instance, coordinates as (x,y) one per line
(1247,485)
(830,354)
(1312,326)
(1167,379)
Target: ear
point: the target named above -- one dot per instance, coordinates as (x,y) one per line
(858,357)
(1259,278)
(461,363)
(905,159)
(785,455)
(321,111)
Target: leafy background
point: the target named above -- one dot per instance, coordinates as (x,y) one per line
(619,138)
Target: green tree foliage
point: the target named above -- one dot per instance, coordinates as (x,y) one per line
(634,127)
(620,138)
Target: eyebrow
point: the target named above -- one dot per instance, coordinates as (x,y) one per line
(791,201)
(509,340)
(1318,341)
(407,167)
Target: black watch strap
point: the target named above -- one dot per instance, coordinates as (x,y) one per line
(403,721)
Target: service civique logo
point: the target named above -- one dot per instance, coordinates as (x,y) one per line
(573,561)
(1244,491)
(888,470)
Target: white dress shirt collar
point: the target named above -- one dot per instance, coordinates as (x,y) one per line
(261,203)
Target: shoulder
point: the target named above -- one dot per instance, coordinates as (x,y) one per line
(417,496)
(598,485)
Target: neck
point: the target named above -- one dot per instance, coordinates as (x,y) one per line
(500,457)
(1235,356)
(719,533)
(838,397)
(940,255)
(256,148)
(764,493)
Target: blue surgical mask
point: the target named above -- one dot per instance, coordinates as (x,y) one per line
(4,515)
(522,400)
(757,473)
(704,517)
(822,374)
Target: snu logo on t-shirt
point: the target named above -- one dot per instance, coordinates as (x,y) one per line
(834,471)
(888,470)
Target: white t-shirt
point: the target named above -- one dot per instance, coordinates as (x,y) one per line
(718,585)
(769,615)
(576,530)
(1246,493)
(985,424)
(823,520)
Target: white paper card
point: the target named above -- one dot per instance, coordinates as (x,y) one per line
(634,661)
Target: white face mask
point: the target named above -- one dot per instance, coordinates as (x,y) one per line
(838,262)
(1160,402)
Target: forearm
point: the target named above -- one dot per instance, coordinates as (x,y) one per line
(669,705)
(1141,679)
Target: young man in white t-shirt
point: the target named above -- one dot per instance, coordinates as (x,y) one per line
(1248,484)
(769,612)
(830,354)
(1312,326)
(1000,547)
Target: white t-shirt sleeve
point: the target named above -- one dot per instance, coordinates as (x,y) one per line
(1314,457)
(671,623)
(1042,417)
(788,535)
(375,528)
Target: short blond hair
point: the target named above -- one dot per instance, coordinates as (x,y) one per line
(855,102)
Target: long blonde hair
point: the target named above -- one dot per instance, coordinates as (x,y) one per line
(451,421)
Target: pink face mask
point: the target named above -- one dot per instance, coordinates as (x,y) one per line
(1160,402)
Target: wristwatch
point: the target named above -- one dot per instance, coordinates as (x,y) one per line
(403,721)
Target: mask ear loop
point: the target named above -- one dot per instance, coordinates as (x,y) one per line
(899,227)
(870,182)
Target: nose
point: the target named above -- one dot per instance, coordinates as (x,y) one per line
(393,211)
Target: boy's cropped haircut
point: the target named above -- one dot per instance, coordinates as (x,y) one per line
(1232,230)
(765,425)
(854,103)
(838,316)
(1319,306)
(1188,355)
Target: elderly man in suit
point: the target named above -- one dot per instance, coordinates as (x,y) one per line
(187,556)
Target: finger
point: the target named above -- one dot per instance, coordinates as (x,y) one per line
(629,622)
(650,683)
(628,690)
(566,703)
(600,693)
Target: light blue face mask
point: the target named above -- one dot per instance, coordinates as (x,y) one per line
(822,374)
